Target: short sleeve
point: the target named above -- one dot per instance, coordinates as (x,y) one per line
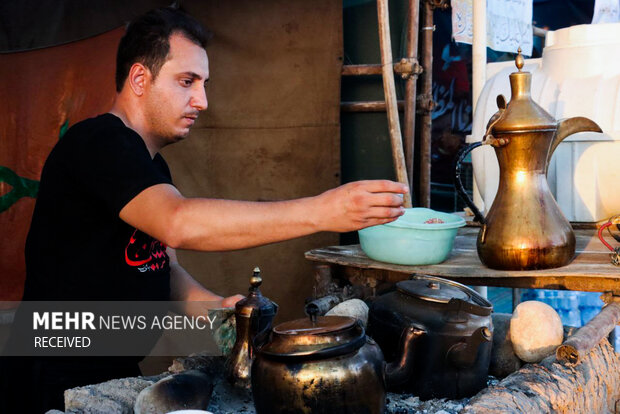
(114,166)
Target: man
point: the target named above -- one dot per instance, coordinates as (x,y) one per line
(108,218)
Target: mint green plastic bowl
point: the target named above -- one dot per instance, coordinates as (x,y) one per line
(411,241)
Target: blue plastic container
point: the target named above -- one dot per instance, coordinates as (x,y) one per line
(410,240)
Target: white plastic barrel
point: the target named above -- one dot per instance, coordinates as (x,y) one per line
(578,75)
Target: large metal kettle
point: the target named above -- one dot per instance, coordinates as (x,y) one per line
(453,353)
(524,228)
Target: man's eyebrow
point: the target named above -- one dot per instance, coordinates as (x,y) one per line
(194,76)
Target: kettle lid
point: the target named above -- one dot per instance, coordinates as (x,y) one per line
(318,337)
(433,289)
(522,113)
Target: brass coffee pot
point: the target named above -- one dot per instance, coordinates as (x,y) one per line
(253,316)
(524,229)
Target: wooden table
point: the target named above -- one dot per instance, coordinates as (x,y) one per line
(590,270)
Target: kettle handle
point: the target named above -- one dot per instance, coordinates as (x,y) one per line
(458,183)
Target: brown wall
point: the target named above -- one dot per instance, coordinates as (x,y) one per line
(271,132)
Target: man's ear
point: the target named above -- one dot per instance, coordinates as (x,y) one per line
(138,78)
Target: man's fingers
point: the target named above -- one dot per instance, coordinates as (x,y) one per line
(386,200)
(385,212)
(384,186)
(376,221)
(230,301)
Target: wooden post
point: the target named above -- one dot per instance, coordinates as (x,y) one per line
(426,106)
(390,96)
(413,17)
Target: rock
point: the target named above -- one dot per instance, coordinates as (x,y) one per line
(535,330)
(355,308)
(55,412)
(187,390)
(111,397)
(504,361)
(213,366)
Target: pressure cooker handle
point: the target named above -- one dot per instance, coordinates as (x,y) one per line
(398,371)
(458,184)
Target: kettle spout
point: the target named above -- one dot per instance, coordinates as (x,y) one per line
(398,371)
(569,126)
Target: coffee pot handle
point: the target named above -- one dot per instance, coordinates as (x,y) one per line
(460,156)
(458,183)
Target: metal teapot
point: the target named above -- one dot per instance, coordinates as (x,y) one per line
(326,365)
(524,229)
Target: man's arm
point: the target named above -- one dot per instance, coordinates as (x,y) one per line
(184,288)
(215,225)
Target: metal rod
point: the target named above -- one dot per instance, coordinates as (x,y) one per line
(370,106)
(413,16)
(425,119)
(516,297)
(539,31)
(478,51)
(390,97)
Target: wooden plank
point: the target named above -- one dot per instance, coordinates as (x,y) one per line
(370,106)
(591,269)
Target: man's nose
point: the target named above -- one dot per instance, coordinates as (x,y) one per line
(199,100)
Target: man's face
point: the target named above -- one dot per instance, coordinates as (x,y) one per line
(177,95)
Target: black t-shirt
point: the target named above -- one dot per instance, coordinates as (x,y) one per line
(78,248)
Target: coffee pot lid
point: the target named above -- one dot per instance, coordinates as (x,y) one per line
(521,114)
(255,301)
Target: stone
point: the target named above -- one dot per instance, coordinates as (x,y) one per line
(354,308)
(504,361)
(211,365)
(535,331)
(110,397)
(187,390)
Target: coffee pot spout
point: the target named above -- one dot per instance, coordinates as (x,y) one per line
(570,126)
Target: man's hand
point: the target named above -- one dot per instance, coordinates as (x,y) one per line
(360,204)
(230,301)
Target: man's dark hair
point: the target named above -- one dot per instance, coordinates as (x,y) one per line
(147,40)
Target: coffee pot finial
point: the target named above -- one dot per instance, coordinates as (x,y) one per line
(519,61)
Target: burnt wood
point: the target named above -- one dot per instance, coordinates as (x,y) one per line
(575,348)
